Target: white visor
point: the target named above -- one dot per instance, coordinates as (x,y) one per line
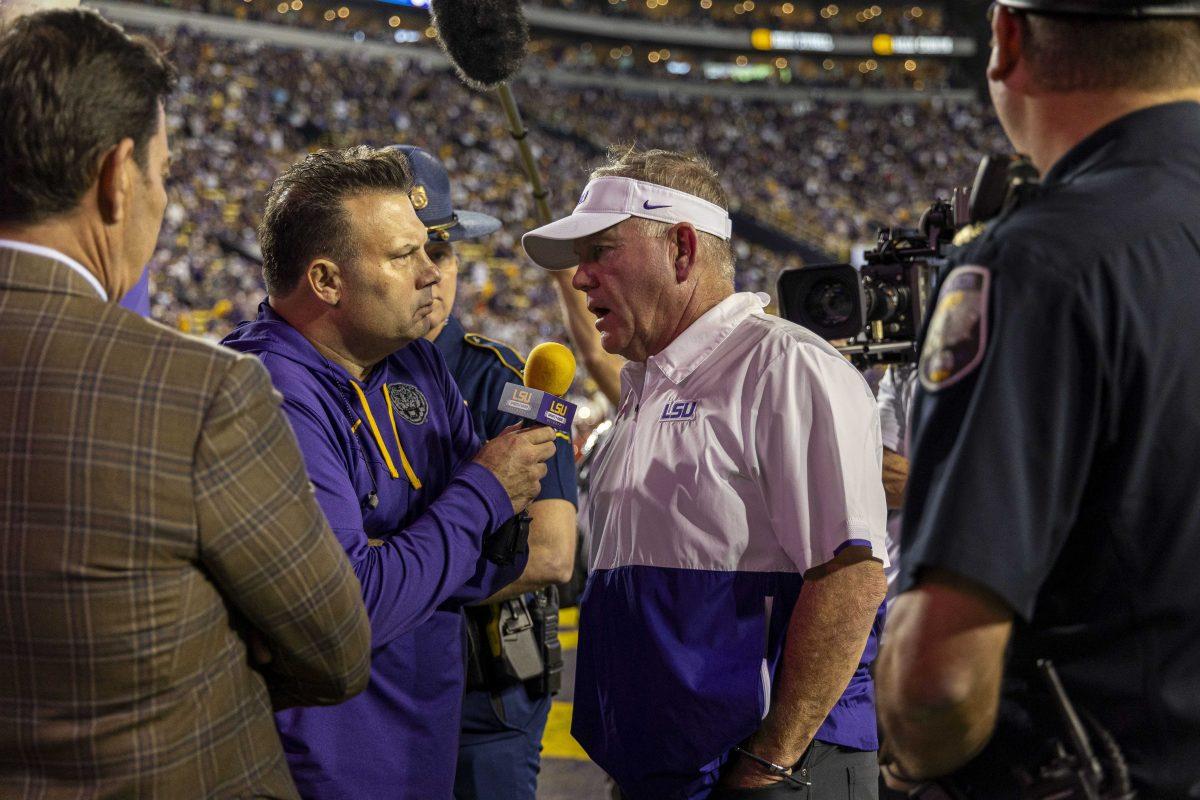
(609,200)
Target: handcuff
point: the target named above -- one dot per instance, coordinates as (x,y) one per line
(777,770)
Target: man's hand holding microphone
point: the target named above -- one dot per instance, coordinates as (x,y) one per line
(517,457)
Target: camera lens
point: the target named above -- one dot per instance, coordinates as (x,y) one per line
(829,302)
(885,301)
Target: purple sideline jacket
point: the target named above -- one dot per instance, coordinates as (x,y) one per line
(399,738)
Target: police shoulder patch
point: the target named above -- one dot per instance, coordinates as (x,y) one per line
(957,335)
(507,355)
(409,402)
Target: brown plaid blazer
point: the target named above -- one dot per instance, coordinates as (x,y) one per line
(153,509)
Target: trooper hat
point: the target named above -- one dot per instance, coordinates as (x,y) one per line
(430,197)
(1109,8)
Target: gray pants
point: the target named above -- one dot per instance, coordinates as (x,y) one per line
(836,773)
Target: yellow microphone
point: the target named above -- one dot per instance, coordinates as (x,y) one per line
(550,368)
(549,371)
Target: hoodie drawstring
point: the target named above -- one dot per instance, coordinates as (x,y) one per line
(408,470)
(387,458)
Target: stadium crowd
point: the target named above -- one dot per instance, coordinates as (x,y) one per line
(850,18)
(245,110)
(548,50)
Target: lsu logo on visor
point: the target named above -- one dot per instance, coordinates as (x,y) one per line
(679,411)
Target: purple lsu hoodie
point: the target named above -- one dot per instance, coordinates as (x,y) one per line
(390,460)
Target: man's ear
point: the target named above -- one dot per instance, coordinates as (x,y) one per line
(1008,44)
(325,281)
(117,173)
(685,241)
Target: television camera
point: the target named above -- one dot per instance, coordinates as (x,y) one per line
(878,311)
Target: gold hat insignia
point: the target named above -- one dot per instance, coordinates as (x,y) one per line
(420,198)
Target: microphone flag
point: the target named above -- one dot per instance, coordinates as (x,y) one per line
(537,406)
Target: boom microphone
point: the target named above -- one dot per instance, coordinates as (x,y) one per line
(485,40)
(549,371)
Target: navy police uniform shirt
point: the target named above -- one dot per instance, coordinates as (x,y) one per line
(481,367)
(1056,444)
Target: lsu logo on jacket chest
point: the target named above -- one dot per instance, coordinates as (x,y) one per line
(678,411)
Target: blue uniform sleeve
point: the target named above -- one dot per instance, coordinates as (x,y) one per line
(415,571)
(483,390)
(994,484)
(560,482)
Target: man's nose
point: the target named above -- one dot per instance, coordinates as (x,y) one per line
(582,279)
(430,272)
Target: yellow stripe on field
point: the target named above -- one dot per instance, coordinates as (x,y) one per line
(568,639)
(568,617)
(557,741)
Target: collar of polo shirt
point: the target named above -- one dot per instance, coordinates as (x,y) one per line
(609,200)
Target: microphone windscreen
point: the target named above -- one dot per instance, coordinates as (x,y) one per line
(550,368)
(484,39)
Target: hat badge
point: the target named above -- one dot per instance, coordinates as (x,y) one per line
(419,197)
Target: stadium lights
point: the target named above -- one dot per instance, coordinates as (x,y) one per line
(803,41)
(886,45)
(882,44)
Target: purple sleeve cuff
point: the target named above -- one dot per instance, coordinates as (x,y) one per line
(490,491)
(854,543)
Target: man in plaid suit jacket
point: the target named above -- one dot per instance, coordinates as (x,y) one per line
(155,517)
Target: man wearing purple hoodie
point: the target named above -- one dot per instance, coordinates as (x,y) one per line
(389,447)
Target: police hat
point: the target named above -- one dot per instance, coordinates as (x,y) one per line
(1108,8)
(431,198)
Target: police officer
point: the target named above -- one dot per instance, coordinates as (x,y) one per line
(1053,512)
(506,707)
